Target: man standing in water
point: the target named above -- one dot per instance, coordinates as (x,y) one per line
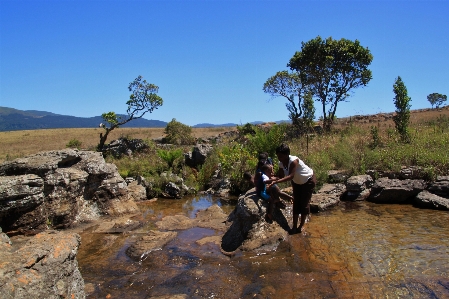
(291,168)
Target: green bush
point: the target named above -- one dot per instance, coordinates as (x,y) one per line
(266,141)
(170,156)
(74,143)
(178,133)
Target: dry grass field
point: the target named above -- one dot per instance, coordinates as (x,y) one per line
(16,144)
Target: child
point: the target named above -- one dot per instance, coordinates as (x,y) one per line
(273,193)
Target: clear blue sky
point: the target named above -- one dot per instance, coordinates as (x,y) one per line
(210,59)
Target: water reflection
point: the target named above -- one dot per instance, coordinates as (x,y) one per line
(357,250)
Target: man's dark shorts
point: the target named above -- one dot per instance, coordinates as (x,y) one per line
(302,194)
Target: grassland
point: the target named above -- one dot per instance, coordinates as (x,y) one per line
(16,144)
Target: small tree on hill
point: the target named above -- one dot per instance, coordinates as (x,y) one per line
(178,133)
(436,99)
(402,103)
(143,99)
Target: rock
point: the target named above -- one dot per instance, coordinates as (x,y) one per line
(4,239)
(328,196)
(440,186)
(171,191)
(425,199)
(45,267)
(358,187)
(136,191)
(359,183)
(412,173)
(198,155)
(337,176)
(212,217)
(21,201)
(387,190)
(249,230)
(153,241)
(124,146)
(59,189)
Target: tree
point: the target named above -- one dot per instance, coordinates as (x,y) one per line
(330,69)
(289,86)
(178,133)
(402,103)
(143,99)
(436,99)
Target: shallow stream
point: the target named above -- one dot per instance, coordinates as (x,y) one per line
(356,250)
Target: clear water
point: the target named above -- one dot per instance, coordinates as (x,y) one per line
(357,250)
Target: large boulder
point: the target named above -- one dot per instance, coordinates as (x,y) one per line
(358,187)
(249,230)
(58,189)
(387,190)
(45,267)
(198,155)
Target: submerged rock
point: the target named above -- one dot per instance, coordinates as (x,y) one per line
(154,240)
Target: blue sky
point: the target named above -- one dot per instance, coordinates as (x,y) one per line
(210,59)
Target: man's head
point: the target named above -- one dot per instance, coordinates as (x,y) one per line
(283,153)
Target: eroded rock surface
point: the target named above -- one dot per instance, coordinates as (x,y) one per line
(58,189)
(328,196)
(45,267)
(249,230)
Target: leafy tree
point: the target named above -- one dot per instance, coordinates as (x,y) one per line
(287,85)
(178,133)
(330,69)
(402,103)
(436,99)
(143,99)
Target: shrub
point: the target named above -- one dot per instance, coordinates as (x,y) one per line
(170,156)
(74,143)
(267,141)
(178,133)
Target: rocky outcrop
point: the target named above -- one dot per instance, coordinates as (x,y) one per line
(387,190)
(249,230)
(58,189)
(198,155)
(45,267)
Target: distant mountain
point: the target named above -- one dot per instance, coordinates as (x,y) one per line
(13,119)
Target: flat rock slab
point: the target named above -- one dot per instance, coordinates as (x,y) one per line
(425,199)
(212,217)
(154,240)
(387,190)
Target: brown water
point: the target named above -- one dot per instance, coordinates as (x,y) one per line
(357,250)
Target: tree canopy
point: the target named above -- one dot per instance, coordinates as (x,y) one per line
(330,69)
(143,99)
(436,99)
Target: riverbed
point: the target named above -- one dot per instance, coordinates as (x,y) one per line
(355,250)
